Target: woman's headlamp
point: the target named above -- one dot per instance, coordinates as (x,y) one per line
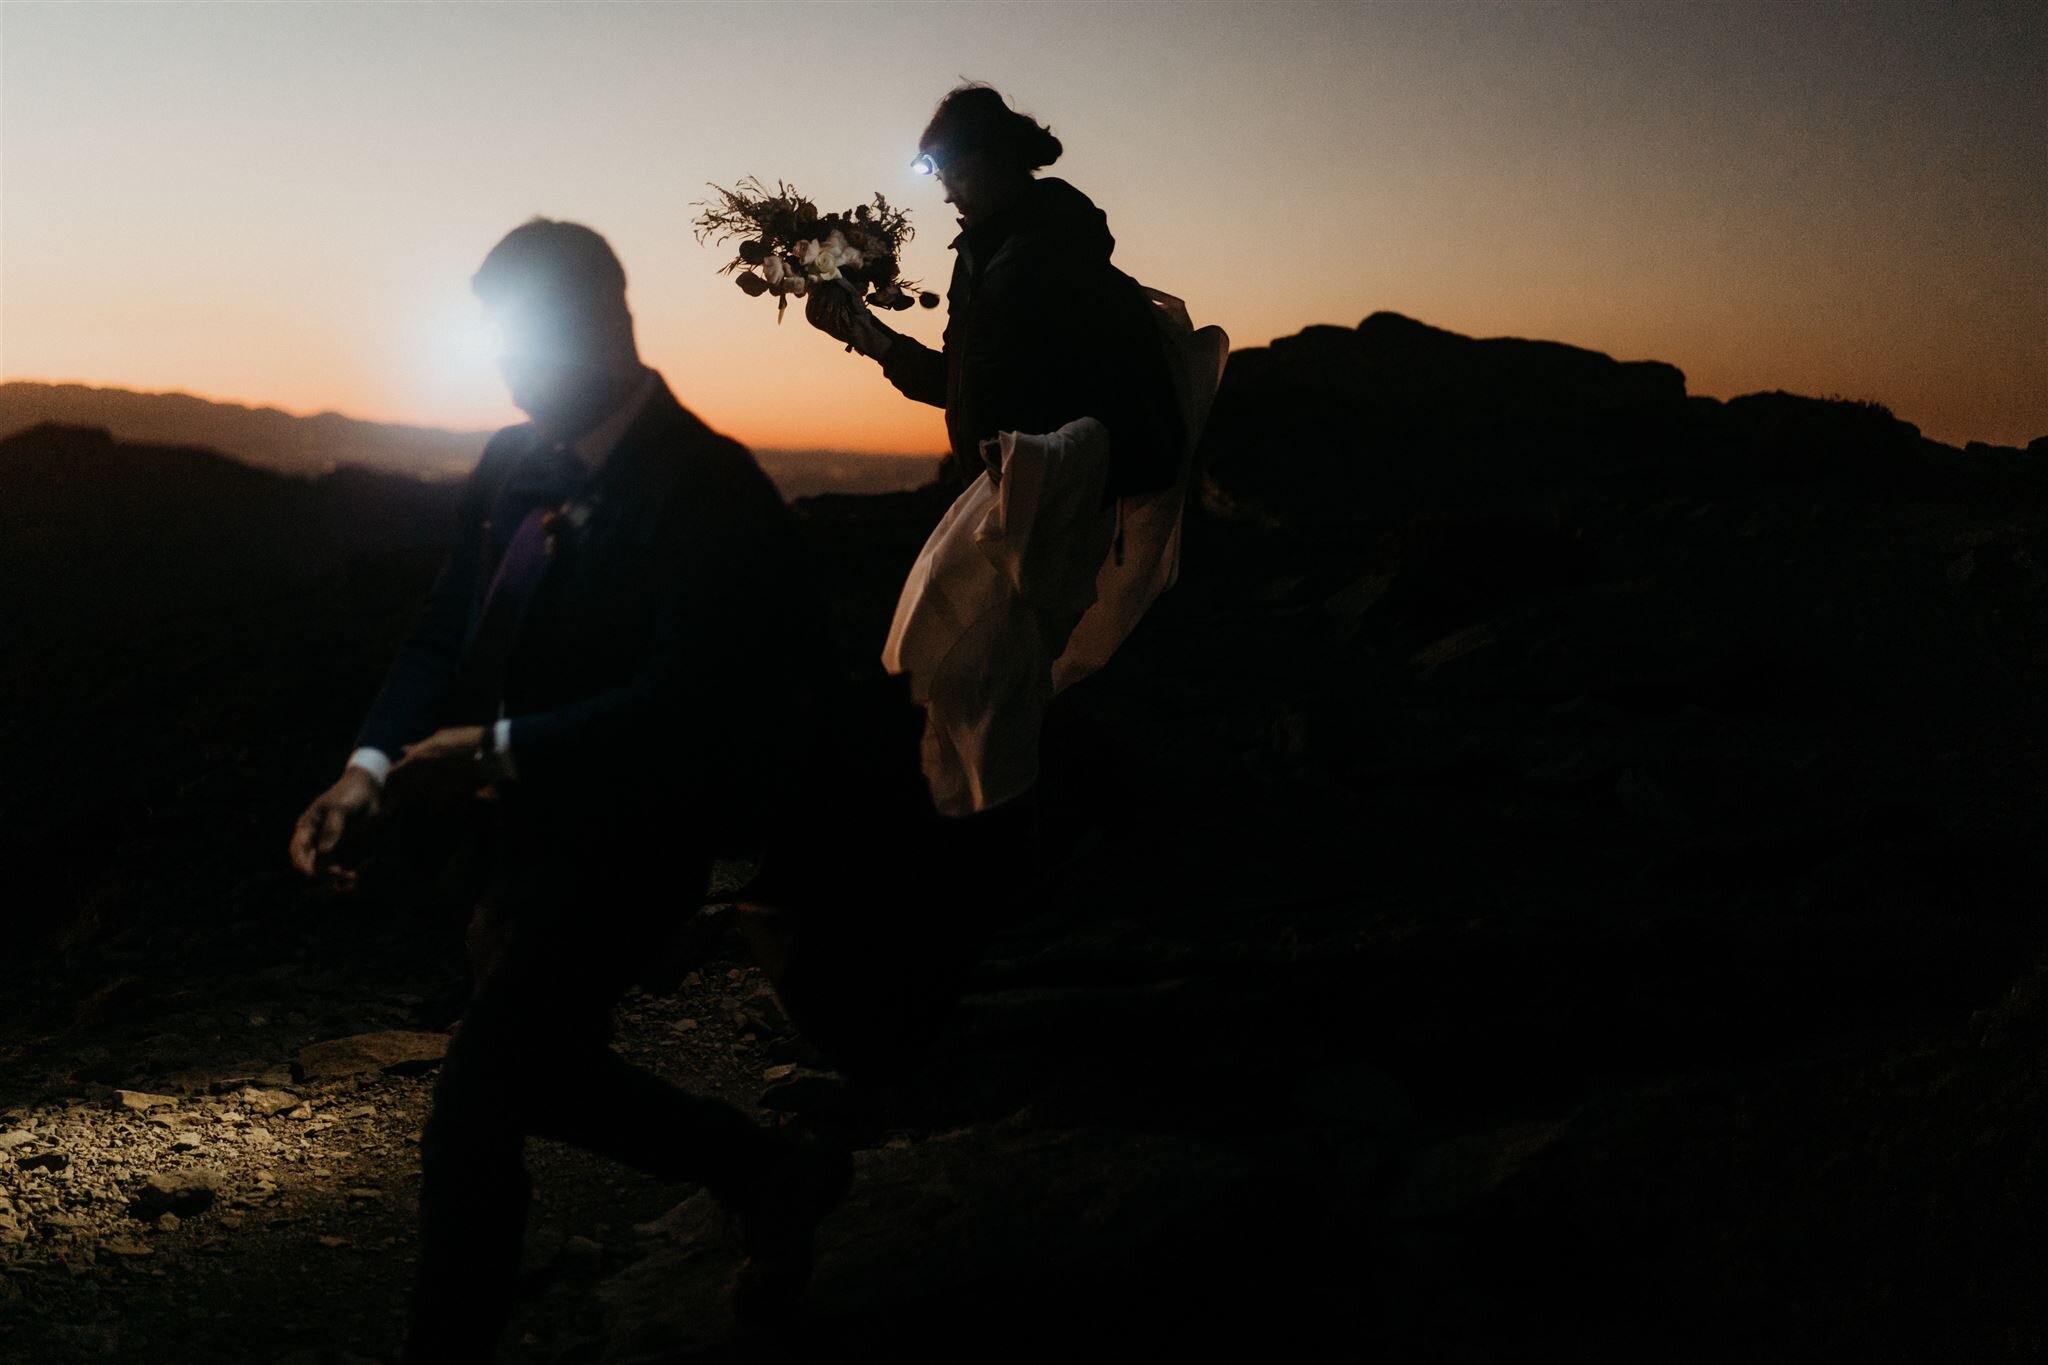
(924,165)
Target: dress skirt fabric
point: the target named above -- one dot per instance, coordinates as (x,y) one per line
(1017,594)
(989,604)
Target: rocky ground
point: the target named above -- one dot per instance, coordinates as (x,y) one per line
(1560,878)
(247,1214)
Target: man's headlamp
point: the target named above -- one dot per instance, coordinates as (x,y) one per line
(924,165)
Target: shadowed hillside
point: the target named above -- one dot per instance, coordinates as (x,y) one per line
(1559,878)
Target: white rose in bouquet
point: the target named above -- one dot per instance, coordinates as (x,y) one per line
(821,260)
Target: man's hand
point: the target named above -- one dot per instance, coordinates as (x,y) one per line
(440,771)
(333,822)
(837,312)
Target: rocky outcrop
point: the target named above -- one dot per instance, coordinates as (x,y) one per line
(1331,424)
(1321,422)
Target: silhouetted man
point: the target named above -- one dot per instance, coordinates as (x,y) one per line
(622,651)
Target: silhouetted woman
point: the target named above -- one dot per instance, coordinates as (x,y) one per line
(1061,404)
(1042,335)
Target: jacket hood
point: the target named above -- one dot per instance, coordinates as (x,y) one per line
(1056,209)
(1053,215)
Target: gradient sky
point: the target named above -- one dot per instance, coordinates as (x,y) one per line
(282,203)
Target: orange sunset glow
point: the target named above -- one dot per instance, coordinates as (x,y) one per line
(282,204)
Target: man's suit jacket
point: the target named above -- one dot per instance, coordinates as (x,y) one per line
(665,670)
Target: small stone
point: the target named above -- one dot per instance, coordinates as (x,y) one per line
(684,1025)
(9,1141)
(801,1090)
(365,1192)
(332,1241)
(141,1100)
(168,1223)
(301,1114)
(264,1188)
(396,1051)
(268,1102)
(776,1073)
(583,1248)
(180,1192)
(123,1246)
(185,1142)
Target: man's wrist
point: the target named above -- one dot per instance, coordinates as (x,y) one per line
(375,762)
(494,752)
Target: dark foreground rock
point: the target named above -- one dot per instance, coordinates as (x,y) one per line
(1002,1225)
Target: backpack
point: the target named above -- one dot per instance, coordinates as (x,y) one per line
(1145,559)
(1143,407)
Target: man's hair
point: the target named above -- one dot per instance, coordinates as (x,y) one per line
(560,260)
(975,118)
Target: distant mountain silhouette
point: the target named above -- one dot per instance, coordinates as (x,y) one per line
(807,473)
(266,438)
(306,447)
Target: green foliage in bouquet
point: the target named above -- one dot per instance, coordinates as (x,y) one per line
(787,248)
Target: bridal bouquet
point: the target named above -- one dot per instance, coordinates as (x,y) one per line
(788,248)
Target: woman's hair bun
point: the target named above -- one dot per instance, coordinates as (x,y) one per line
(975,117)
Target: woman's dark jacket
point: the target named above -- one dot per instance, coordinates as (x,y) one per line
(1041,330)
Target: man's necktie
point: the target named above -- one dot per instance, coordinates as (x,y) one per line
(544,481)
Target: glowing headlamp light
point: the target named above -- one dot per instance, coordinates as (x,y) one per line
(924,165)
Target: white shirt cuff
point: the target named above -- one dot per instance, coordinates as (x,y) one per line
(497,763)
(375,762)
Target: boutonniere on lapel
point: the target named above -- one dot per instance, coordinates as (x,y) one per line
(564,525)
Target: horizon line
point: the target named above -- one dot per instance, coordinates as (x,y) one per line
(248,405)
